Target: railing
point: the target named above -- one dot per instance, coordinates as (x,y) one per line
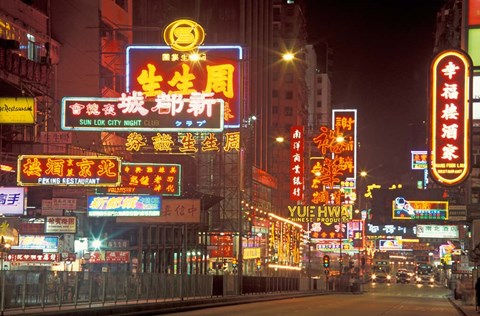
(22,289)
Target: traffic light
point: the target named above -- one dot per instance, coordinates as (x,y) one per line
(326,261)
(259,264)
(234,263)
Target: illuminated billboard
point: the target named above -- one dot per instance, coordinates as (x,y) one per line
(344,123)
(45,243)
(123,205)
(438,231)
(12,201)
(17,110)
(46,170)
(429,210)
(297,162)
(419,160)
(159,178)
(327,214)
(450,122)
(215,71)
(165,113)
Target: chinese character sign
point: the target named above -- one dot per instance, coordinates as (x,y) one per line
(297,138)
(450,123)
(93,171)
(198,112)
(344,123)
(158,71)
(161,179)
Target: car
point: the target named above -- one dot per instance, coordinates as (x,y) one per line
(424,278)
(402,277)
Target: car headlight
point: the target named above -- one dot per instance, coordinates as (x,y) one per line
(389,277)
(374,276)
(419,279)
(431,279)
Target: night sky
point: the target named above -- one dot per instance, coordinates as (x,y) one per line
(382,54)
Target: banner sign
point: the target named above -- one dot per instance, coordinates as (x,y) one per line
(166,113)
(429,210)
(12,201)
(61,224)
(438,231)
(327,214)
(109,257)
(93,171)
(123,205)
(47,257)
(450,111)
(216,71)
(20,110)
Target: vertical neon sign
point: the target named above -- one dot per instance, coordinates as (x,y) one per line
(450,123)
(297,171)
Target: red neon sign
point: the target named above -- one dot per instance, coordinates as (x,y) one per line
(93,171)
(450,123)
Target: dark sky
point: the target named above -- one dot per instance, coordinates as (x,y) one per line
(382,54)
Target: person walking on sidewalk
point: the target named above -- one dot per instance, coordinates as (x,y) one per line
(477,293)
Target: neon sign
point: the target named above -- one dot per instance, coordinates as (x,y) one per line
(344,124)
(172,113)
(160,70)
(158,178)
(429,210)
(296,163)
(327,214)
(123,205)
(450,123)
(184,35)
(93,171)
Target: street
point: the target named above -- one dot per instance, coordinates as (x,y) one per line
(378,299)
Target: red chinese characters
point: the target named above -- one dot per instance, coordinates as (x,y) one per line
(68,170)
(450,123)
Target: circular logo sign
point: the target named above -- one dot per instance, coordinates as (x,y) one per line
(183,35)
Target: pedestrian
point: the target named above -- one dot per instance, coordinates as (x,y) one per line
(351,281)
(477,293)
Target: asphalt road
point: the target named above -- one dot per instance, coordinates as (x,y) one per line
(378,299)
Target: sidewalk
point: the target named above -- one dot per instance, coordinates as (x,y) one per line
(466,310)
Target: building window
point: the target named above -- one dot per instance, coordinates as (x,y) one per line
(275,93)
(289,95)
(275,109)
(319,104)
(289,77)
(288,111)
